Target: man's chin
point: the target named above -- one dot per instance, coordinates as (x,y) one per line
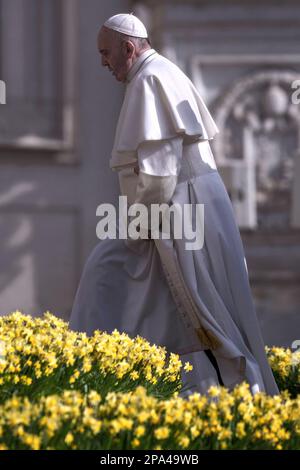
(119,78)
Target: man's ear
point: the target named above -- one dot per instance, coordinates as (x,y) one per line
(129,48)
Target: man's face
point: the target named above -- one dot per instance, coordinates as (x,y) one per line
(114,53)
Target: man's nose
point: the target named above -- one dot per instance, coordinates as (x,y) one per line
(104,62)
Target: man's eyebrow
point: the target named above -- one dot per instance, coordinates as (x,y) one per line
(103,50)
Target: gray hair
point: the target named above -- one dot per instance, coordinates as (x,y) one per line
(140,43)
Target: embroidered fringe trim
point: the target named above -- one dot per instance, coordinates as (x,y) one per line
(183,300)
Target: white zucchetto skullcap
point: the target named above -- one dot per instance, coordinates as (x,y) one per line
(128,24)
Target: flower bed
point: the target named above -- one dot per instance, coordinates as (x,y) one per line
(63,390)
(42,356)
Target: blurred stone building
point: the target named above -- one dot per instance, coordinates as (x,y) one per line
(58,123)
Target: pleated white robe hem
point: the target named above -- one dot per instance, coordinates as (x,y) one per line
(128,290)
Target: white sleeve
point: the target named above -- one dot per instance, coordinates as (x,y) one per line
(160,157)
(152,189)
(159,166)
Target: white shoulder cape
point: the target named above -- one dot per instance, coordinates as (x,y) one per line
(160,102)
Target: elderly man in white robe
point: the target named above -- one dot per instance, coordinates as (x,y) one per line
(196,303)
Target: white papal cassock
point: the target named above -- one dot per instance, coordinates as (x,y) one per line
(186,300)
